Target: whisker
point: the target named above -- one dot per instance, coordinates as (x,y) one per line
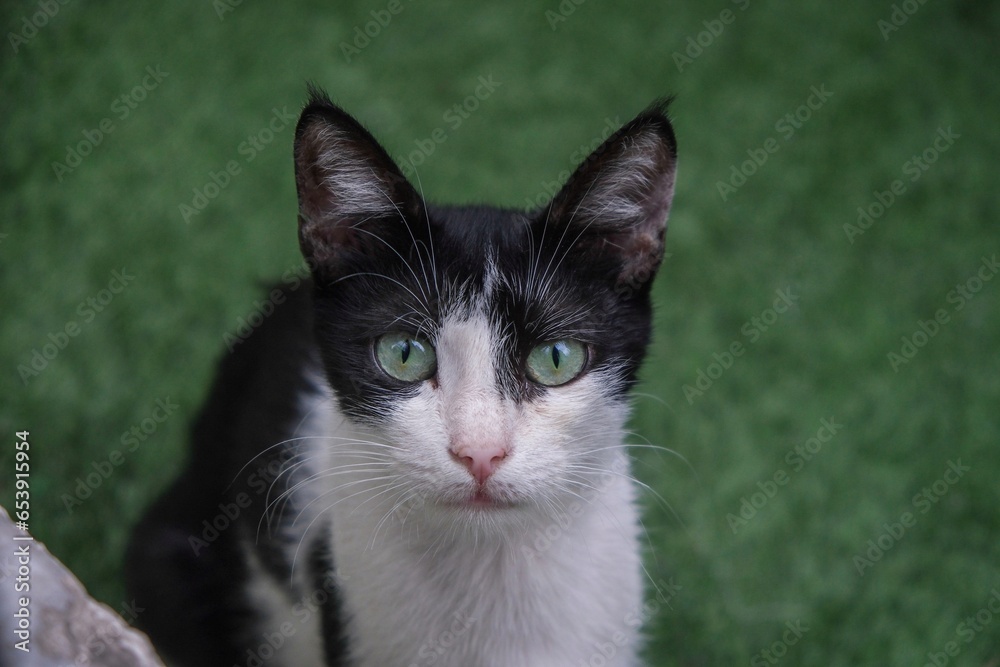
(305,532)
(402,259)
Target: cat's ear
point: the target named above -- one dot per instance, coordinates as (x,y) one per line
(616,203)
(352,197)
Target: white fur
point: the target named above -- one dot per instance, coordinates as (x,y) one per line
(287,626)
(546,583)
(289,611)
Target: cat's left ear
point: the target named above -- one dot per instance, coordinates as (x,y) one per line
(354,202)
(617,201)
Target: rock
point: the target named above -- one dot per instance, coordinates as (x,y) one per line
(65,626)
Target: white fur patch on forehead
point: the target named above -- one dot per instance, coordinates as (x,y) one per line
(491,276)
(355,188)
(466,345)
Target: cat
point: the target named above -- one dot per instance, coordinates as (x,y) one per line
(417,458)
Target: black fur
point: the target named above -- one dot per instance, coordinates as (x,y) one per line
(185,565)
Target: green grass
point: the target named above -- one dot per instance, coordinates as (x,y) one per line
(826,357)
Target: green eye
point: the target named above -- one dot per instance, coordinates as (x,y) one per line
(405,357)
(556,362)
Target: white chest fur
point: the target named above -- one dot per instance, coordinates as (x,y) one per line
(547,589)
(551,596)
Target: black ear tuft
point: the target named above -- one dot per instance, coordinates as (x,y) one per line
(351,193)
(618,200)
(317,95)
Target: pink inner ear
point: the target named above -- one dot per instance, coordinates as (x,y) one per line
(644,247)
(323,242)
(642,254)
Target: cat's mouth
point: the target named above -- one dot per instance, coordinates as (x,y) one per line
(482,499)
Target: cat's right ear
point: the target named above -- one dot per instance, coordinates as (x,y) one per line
(353,199)
(615,205)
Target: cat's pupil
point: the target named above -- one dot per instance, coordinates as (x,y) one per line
(555,357)
(405,350)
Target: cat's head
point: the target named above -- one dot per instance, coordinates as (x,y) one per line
(485,354)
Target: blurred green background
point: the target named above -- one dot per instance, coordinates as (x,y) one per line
(759,527)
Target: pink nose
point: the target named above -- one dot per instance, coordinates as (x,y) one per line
(481,462)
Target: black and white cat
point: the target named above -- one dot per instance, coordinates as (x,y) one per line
(371,475)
